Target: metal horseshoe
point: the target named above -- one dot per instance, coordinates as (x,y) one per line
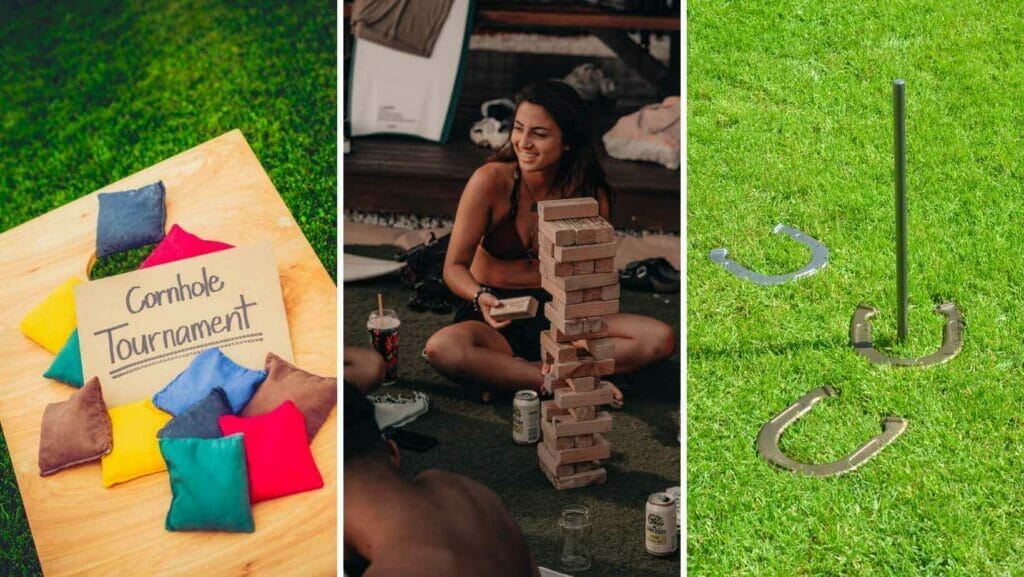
(771,432)
(952,338)
(819,258)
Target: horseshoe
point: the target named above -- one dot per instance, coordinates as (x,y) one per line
(819,258)
(771,432)
(952,338)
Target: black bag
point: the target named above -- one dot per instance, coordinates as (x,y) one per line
(424,274)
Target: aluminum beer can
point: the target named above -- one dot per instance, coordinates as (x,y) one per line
(676,493)
(526,417)
(660,532)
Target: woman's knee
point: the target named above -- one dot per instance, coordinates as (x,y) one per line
(442,351)
(378,368)
(662,341)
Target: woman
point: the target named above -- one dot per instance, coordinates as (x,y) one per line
(492,252)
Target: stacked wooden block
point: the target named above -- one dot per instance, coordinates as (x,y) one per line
(577,253)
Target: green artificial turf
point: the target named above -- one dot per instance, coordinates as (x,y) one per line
(95,91)
(790,120)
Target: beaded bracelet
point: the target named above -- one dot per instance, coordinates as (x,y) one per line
(476,297)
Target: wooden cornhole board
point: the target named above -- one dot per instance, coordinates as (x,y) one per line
(217,190)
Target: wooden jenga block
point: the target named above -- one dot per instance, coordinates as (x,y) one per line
(594,325)
(599,450)
(589,309)
(547,457)
(568,399)
(604,234)
(567,326)
(515,308)
(604,265)
(576,480)
(600,349)
(582,384)
(584,478)
(552,269)
(589,368)
(567,208)
(559,294)
(583,281)
(561,337)
(567,425)
(549,410)
(560,232)
(610,293)
(546,246)
(591,294)
(583,267)
(551,383)
(585,252)
(559,352)
(556,444)
(585,234)
(555,312)
(583,413)
(583,441)
(592,230)
(585,467)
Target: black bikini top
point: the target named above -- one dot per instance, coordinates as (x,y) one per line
(503,240)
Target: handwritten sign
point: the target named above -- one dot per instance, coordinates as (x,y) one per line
(140,329)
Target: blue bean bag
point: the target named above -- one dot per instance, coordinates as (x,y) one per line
(199,420)
(130,219)
(209,369)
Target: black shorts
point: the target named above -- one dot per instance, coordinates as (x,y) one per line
(523,335)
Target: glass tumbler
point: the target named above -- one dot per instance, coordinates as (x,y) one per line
(574,526)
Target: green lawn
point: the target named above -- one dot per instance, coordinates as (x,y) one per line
(94,91)
(790,121)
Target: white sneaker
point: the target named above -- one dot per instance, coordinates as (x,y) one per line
(395,411)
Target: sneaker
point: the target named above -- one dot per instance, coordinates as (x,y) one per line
(650,275)
(590,82)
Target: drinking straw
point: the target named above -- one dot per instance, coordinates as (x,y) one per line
(380,305)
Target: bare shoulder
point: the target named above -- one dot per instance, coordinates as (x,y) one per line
(493,180)
(452,486)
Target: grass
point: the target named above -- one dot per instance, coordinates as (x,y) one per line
(95,91)
(790,121)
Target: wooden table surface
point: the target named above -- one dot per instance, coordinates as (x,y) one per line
(217,190)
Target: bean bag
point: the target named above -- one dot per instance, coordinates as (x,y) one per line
(314,395)
(209,485)
(211,368)
(199,420)
(67,366)
(179,245)
(136,452)
(130,219)
(276,452)
(51,322)
(75,431)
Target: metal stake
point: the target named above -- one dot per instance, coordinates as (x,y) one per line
(899,106)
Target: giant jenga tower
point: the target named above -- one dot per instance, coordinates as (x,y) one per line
(577,254)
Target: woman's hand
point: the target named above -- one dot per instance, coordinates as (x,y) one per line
(487,301)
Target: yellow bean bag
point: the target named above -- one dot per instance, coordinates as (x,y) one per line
(136,450)
(51,322)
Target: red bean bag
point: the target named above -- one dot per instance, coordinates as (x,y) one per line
(179,245)
(276,452)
